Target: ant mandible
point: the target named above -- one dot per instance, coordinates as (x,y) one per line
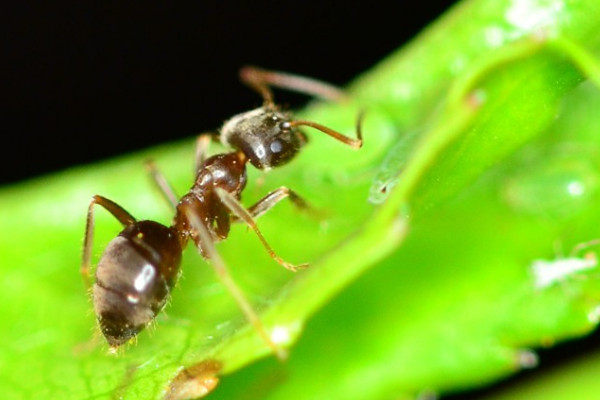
(140,267)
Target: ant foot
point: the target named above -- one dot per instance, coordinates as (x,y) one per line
(294,268)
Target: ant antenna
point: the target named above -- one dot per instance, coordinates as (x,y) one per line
(260,79)
(354,143)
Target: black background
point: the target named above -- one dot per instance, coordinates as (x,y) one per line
(87,81)
(84,82)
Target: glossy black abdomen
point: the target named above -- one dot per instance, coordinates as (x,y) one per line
(134,279)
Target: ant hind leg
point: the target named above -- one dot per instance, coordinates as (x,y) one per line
(118,212)
(205,245)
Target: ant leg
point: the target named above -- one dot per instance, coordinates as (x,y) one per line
(354,143)
(244,215)
(163,185)
(202,143)
(585,245)
(205,245)
(118,212)
(260,80)
(274,197)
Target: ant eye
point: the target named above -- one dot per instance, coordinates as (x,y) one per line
(276,146)
(275,118)
(285,126)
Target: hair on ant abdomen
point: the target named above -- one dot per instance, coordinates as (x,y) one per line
(139,268)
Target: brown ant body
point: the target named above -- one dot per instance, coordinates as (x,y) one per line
(140,267)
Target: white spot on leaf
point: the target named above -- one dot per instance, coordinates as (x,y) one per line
(548,272)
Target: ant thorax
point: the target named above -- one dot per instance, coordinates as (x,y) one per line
(264,135)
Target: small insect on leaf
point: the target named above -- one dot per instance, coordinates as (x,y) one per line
(140,267)
(550,272)
(195,381)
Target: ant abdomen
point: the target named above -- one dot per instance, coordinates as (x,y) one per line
(134,279)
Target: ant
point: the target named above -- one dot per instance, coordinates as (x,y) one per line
(140,267)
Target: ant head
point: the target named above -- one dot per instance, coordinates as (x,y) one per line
(265,135)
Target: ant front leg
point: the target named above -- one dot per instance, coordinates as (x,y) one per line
(202,144)
(162,184)
(118,212)
(243,214)
(206,246)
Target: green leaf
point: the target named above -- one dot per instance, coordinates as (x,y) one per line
(481,179)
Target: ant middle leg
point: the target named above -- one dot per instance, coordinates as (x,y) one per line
(118,212)
(274,197)
(206,247)
(242,214)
